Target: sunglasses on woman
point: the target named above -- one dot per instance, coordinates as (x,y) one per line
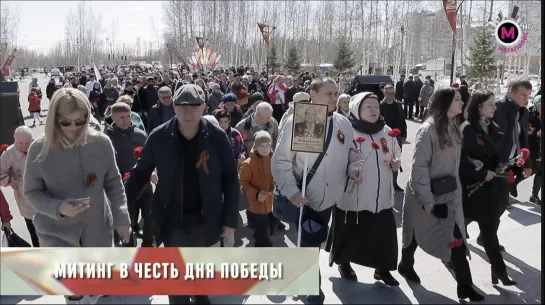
(79,122)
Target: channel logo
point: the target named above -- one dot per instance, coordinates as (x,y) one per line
(510,35)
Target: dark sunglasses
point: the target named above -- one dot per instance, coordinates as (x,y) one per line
(78,122)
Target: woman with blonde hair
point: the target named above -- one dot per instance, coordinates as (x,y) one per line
(72,180)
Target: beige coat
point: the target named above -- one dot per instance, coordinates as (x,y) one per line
(13,161)
(430,162)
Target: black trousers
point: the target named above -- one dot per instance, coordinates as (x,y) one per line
(489,233)
(189,233)
(458,259)
(32,231)
(537,183)
(264,226)
(409,107)
(421,112)
(142,205)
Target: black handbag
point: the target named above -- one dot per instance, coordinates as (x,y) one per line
(443,185)
(283,209)
(14,240)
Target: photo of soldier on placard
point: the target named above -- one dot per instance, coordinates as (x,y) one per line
(309,124)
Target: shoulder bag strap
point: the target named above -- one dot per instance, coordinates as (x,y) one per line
(318,161)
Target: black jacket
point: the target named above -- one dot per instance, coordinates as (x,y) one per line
(125,142)
(505,115)
(394,119)
(485,205)
(399,91)
(220,188)
(155,116)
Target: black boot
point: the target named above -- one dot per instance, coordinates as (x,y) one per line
(467,292)
(347,272)
(504,278)
(386,277)
(535,199)
(408,273)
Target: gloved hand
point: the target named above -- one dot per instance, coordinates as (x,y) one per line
(440,211)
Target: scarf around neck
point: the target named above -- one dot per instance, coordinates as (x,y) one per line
(367,127)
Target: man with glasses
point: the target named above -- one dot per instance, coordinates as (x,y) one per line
(197,196)
(163,110)
(394,116)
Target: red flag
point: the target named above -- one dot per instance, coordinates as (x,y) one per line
(200,42)
(450,10)
(266,32)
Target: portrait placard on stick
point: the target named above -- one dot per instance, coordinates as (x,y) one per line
(309,126)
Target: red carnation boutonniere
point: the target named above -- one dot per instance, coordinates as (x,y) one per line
(91,180)
(480,141)
(126,176)
(3,147)
(384,144)
(137,152)
(456,243)
(203,162)
(340,136)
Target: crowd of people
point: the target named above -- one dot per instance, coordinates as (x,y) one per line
(215,143)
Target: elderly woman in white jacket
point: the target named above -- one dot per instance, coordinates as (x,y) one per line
(364,228)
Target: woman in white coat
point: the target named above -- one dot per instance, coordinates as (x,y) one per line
(364,227)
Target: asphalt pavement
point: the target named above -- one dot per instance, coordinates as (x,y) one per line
(519,232)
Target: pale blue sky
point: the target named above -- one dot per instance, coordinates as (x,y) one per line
(42,22)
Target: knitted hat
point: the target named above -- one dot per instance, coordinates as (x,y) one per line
(262,137)
(230,97)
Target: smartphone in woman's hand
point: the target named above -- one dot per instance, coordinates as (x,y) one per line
(83,201)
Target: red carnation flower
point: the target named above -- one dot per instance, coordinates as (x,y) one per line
(360,139)
(126,176)
(394,132)
(137,152)
(3,147)
(520,162)
(525,153)
(375,145)
(510,177)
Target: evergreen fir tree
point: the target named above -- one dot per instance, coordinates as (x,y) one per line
(482,57)
(345,59)
(293,61)
(273,58)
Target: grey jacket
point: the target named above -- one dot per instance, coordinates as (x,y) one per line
(125,142)
(86,171)
(247,131)
(430,162)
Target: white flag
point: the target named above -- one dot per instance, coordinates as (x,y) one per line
(97,74)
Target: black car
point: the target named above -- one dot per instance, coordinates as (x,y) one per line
(370,83)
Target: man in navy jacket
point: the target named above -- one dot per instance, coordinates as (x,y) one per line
(195,202)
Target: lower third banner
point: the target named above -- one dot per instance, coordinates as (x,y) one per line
(159,271)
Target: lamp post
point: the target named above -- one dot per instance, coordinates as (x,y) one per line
(453,64)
